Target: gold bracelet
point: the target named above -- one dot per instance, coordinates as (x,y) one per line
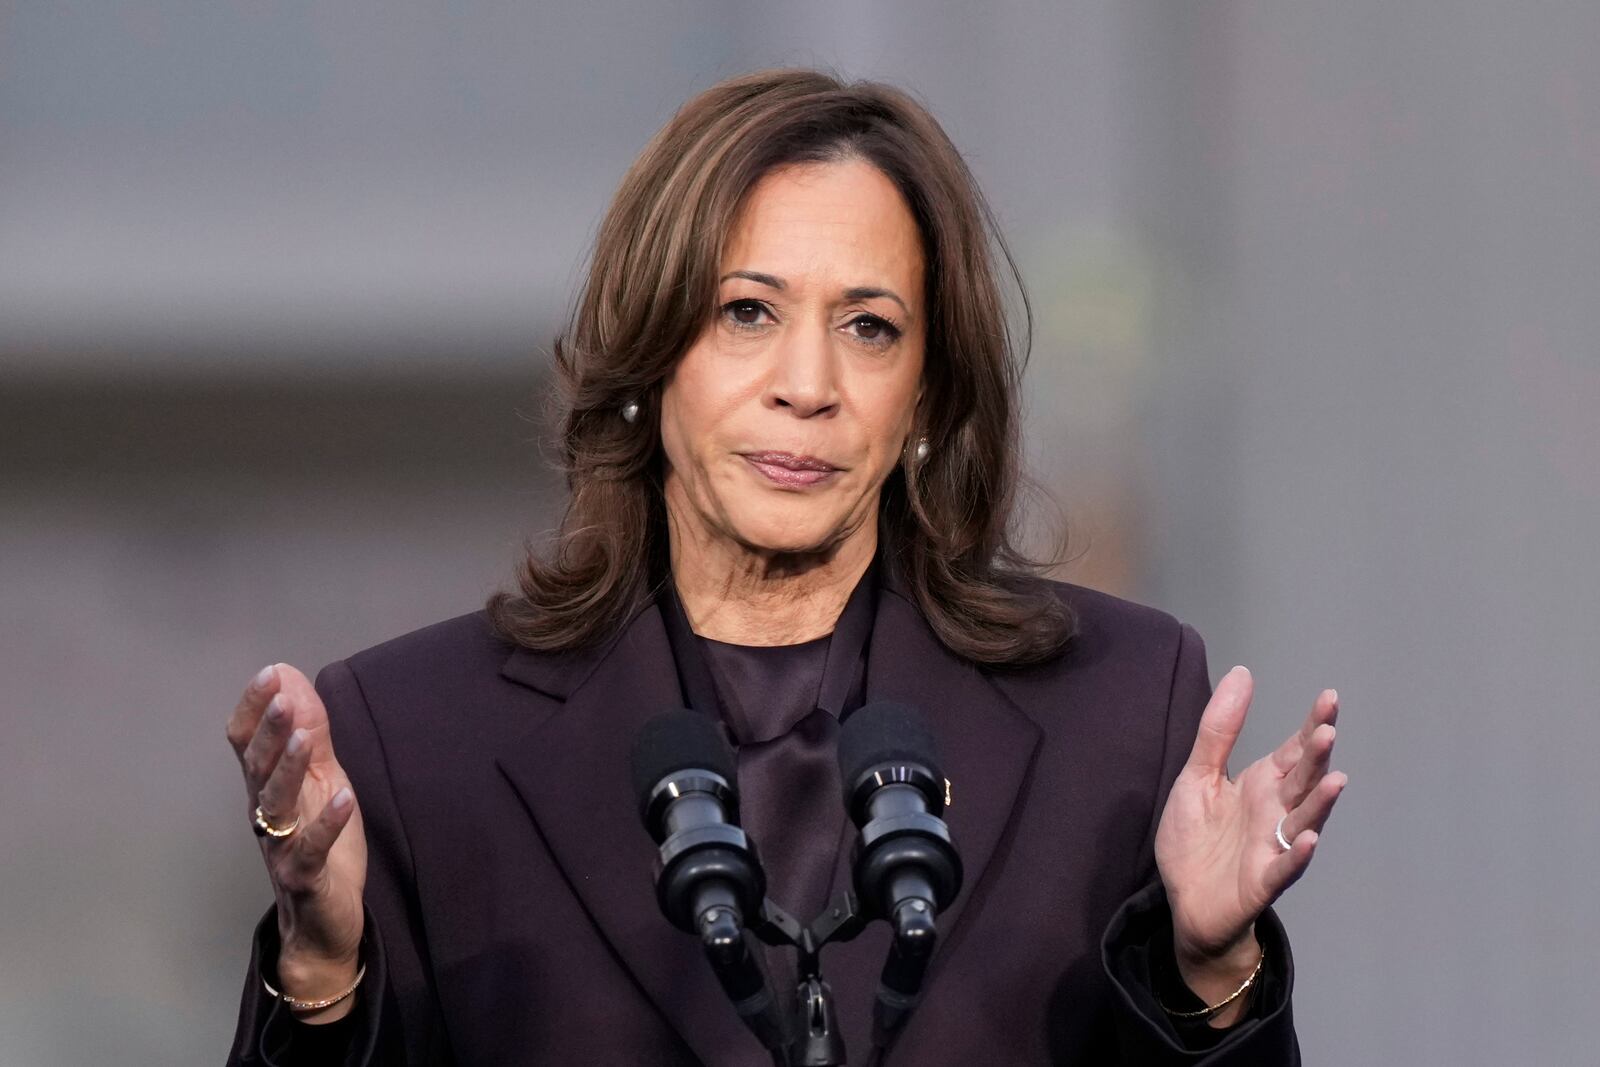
(296,1004)
(1206,1013)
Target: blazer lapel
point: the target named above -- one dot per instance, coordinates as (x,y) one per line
(571,771)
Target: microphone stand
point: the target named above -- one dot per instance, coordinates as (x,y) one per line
(815,1039)
(900,982)
(811,1036)
(743,978)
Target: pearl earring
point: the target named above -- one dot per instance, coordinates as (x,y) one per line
(921,449)
(630,412)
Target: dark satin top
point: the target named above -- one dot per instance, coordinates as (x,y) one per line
(782,706)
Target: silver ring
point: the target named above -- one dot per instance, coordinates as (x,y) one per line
(1283,842)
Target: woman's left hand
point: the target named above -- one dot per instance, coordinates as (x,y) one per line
(1216,849)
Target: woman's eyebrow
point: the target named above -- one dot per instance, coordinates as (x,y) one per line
(768,280)
(868,292)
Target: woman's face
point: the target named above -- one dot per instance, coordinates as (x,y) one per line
(783,420)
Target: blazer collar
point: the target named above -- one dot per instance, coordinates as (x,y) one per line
(571,770)
(558,674)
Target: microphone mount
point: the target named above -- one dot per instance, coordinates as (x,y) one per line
(815,1039)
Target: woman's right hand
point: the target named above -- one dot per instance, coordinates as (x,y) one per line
(280,733)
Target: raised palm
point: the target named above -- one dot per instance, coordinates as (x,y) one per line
(1216,846)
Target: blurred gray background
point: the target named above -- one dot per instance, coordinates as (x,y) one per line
(1315,369)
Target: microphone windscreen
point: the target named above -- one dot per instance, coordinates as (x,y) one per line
(884,732)
(676,741)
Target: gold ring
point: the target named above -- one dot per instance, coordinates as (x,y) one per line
(263,828)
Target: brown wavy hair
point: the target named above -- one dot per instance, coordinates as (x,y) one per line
(651,289)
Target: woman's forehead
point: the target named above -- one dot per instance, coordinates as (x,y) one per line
(841,224)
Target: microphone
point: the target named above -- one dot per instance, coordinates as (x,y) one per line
(684,775)
(708,877)
(906,867)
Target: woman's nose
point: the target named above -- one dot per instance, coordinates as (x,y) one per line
(804,373)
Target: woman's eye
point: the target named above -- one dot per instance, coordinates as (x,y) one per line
(744,312)
(873,329)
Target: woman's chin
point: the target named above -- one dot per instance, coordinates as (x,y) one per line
(780,537)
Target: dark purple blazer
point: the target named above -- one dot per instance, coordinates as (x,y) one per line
(511,914)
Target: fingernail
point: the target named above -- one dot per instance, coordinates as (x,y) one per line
(264,678)
(1333,697)
(275,708)
(297,741)
(342,799)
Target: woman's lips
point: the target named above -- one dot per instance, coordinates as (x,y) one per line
(788,469)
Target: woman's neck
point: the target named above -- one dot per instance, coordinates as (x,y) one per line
(747,597)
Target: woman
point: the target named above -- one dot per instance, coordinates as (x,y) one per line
(790,433)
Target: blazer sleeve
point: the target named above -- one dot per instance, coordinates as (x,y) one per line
(1137,947)
(396,1021)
